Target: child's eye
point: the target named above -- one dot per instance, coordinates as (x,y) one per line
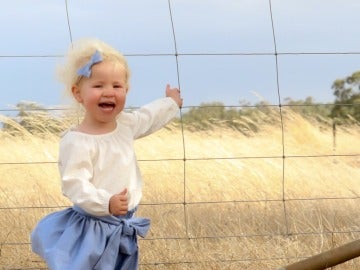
(117,86)
(97,86)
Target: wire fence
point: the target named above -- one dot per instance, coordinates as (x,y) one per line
(186,204)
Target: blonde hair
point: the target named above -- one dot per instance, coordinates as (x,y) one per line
(80,53)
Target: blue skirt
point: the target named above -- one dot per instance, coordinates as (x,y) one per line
(73,239)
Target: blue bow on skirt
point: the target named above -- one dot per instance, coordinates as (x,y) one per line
(73,239)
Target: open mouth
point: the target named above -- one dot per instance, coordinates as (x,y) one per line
(107,105)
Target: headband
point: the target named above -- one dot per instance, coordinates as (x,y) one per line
(86,69)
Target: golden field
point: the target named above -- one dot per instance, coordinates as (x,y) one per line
(217,199)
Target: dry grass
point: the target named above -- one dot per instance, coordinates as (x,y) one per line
(233,186)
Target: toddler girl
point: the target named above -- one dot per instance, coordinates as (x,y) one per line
(98,166)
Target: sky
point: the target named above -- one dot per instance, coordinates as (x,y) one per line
(227,49)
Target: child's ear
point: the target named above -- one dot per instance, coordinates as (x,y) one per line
(76,93)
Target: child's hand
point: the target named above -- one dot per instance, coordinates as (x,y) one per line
(174,93)
(118,204)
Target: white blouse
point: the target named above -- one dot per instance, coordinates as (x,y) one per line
(95,167)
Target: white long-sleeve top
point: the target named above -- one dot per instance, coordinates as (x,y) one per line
(95,167)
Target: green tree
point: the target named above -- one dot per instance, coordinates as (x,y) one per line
(308,107)
(347,98)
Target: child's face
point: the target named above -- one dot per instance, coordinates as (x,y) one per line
(103,95)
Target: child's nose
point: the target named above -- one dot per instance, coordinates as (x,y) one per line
(108,92)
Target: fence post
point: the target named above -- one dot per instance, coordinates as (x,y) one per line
(328,259)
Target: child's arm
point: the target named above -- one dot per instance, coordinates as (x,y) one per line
(156,114)
(76,171)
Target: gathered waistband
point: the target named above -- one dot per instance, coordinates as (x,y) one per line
(108,219)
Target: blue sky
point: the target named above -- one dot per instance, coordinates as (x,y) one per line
(316,41)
